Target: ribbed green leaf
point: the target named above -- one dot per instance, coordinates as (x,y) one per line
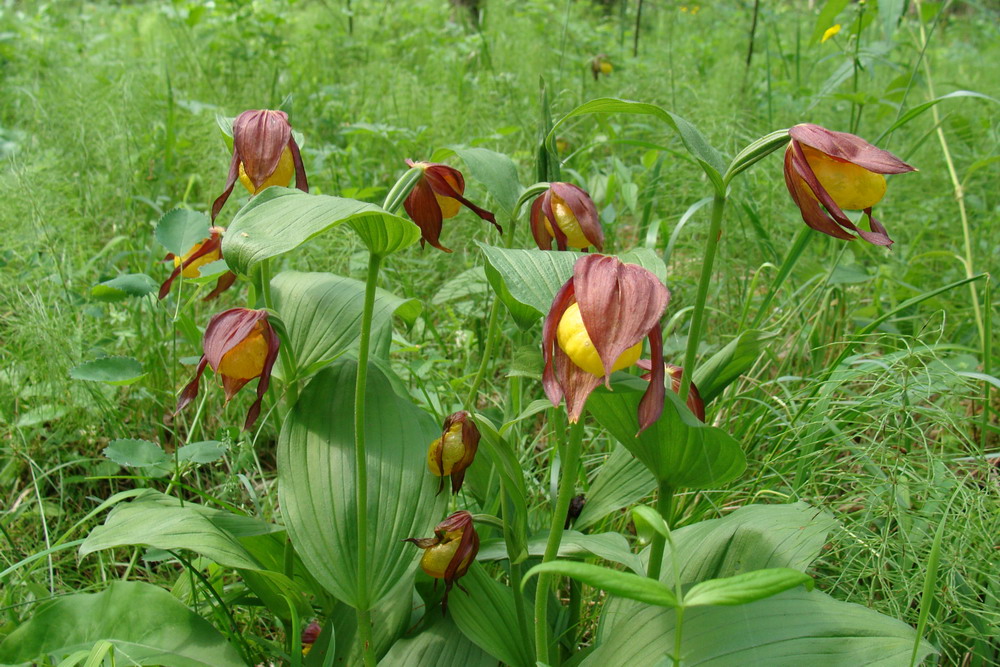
(322,314)
(109,370)
(677,448)
(146,624)
(725,366)
(440,645)
(179,229)
(621,481)
(791,629)
(316,476)
(609,546)
(281,219)
(747,587)
(624,584)
(531,278)
(124,286)
(486,616)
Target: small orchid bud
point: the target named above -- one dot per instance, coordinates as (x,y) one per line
(454,451)
(239,345)
(565,213)
(309,636)
(437,196)
(449,554)
(835,171)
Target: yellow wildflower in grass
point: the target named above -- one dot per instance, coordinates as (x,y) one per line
(830,32)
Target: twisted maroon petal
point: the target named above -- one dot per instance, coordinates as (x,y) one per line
(812,213)
(651,403)
(550,347)
(583,208)
(434,174)
(265,375)
(542,237)
(424,210)
(234,173)
(849,147)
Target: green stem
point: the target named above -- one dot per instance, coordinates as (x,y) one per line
(798,245)
(664,505)
(697,320)
(567,484)
(493,329)
(678,626)
(361,465)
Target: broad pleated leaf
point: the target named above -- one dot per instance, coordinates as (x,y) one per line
(281,219)
(316,475)
(322,314)
(609,546)
(621,480)
(791,629)
(623,584)
(697,146)
(146,625)
(486,616)
(529,279)
(440,645)
(677,448)
(725,366)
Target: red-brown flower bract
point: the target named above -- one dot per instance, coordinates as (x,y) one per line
(428,202)
(260,136)
(566,213)
(620,304)
(449,554)
(694,402)
(205,251)
(240,345)
(851,166)
(454,451)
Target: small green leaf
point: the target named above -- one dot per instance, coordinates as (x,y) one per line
(649,522)
(496,171)
(746,587)
(206,451)
(624,584)
(122,287)
(109,370)
(179,229)
(136,453)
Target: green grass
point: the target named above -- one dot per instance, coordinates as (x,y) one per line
(109,112)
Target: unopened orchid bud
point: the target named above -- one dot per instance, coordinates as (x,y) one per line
(449,554)
(454,451)
(565,213)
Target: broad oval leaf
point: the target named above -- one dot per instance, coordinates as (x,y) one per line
(440,645)
(281,219)
(609,546)
(316,477)
(747,587)
(124,286)
(527,280)
(142,621)
(485,614)
(494,170)
(624,584)
(322,314)
(136,453)
(109,370)
(677,448)
(179,229)
(791,629)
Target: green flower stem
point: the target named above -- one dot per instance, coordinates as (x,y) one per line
(664,505)
(678,626)
(284,348)
(360,463)
(493,329)
(401,190)
(698,319)
(802,239)
(567,479)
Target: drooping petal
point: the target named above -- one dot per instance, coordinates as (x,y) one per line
(265,377)
(422,207)
(435,176)
(550,216)
(260,136)
(849,147)
(651,403)
(583,209)
(562,300)
(542,237)
(227,330)
(231,178)
(225,281)
(190,391)
(619,303)
(576,384)
(300,171)
(812,213)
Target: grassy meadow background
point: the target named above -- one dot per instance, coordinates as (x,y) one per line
(108,120)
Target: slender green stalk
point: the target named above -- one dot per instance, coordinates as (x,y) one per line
(802,238)
(698,318)
(567,479)
(516,575)
(664,505)
(855,106)
(491,336)
(360,462)
(678,627)
(984,428)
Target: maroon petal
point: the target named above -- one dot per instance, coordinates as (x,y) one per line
(812,213)
(234,173)
(227,330)
(563,299)
(619,304)
(560,235)
(577,384)
(542,237)
(424,210)
(651,403)
(225,281)
(190,391)
(853,149)
(210,245)
(300,171)
(583,208)
(260,136)
(434,176)
(265,376)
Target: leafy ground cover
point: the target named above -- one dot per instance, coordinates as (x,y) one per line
(867,392)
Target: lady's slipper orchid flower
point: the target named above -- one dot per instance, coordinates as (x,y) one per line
(436,197)
(201,253)
(454,451)
(309,637)
(264,154)
(596,325)
(837,171)
(566,213)
(694,402)
(450,552)
(239,345)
